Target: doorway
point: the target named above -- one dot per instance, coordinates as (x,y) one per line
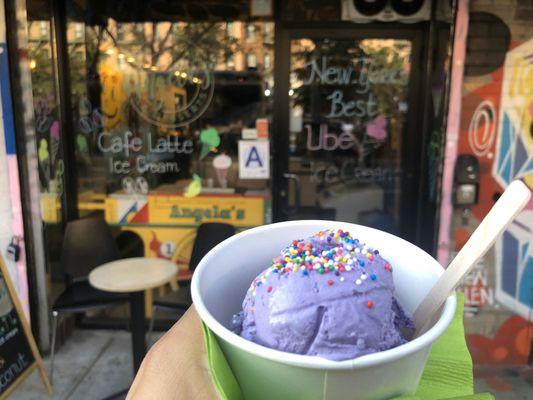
(348,143)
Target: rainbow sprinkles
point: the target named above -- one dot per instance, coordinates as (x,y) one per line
(342,253)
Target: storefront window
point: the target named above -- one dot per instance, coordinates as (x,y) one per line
(159,110)
(267,63)
(250,32)
(49,137)
(251,60)
(230,62)
(348,107)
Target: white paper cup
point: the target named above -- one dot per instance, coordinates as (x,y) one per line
(218,288)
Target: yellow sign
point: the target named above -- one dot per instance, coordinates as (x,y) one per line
(179,210)
(50,208)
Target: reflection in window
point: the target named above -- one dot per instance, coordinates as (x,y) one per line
(230,62)
(230,28)
(347,126)
(144,97)
(48,135)
(267,61)
(269,32)
(44,28)
(78,31)
(251,60)
(250,32)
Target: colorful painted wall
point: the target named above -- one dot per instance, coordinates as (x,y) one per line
(10,206)
(497,128)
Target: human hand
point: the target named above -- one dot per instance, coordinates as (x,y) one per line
(176,366)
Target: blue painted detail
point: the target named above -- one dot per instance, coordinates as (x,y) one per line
(506,173)
(505,139)
(528,167)
(7,109)
(133,209)
(509,264)
(523,250)
(525,289)
(520,156)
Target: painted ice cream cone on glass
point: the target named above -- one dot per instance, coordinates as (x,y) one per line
(54,142)
(44,159)
(221,163)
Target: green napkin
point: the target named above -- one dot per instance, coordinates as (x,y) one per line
(448,372)
(223,378)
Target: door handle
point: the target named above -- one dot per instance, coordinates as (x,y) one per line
(297,193)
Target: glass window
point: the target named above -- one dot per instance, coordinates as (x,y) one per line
(251,60)
(159,113)
(230,62)
(44,25)
(268,32)
(49,137)
(230,28)
(348,108)
(250,32)
(267,64)
(78,31)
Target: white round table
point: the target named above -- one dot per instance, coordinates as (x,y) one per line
(134,276)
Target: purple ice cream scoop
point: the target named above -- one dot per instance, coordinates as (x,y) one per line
(328,296)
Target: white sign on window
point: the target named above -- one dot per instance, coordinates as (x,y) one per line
(249,133)
(261,8)
(254,159)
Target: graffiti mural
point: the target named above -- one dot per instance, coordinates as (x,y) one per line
(514,266)
(514,159)
(482,129)
(497,128)
(510,344)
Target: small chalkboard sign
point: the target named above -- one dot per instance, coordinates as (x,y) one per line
(19,355)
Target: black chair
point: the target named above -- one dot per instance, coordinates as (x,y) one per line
(208,235)
(87,244)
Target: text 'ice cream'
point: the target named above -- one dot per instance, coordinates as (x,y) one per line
(329,296)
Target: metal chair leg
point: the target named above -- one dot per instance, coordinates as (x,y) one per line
(151,326)
(55,317)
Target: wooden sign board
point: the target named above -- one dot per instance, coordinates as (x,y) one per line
(19,355)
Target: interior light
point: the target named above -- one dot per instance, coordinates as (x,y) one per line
(267,92)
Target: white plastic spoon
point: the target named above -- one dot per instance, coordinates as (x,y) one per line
(500,216)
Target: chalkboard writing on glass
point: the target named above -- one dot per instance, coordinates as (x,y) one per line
(18,352)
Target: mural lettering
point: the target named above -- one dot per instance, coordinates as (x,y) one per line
(482,129)
(477,291)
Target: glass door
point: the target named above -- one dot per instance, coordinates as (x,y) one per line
(353,149)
